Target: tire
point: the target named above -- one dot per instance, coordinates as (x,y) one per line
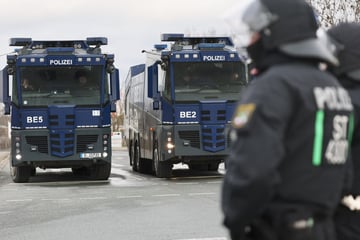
(161,169)
(131,155)
(101,171)
(145,166)
(135,157)
(140,165)
(20,174)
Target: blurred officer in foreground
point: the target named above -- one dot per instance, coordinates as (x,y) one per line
(288,162)
(347,217)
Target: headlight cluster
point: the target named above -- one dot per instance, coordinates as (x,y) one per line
(17,148)
(105,145)
(169,145)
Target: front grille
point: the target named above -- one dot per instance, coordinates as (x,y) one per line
(69,120)
(213,116)
(40,141)
(213,138)
(83,141)
(62,144)
(205,116)
(62,133)
(192,136)
(221,115)
(54,120)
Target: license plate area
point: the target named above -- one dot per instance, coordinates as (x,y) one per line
(90,155)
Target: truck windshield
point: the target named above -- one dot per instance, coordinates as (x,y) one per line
(70,85)
(204,81)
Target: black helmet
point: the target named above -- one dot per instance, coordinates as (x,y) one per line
(347,35)
(288,25)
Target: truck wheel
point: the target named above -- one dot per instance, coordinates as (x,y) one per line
(161,169)
(20,174)
(131,155)
(141,165)
(101,171)
(145,165)
(135,157)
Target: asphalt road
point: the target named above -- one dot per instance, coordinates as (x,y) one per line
(56,205)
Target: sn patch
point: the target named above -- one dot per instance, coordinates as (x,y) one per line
(243,115)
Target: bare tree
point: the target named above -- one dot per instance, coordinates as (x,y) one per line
(332,12)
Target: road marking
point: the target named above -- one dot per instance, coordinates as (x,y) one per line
(10,189)
(188,183)
(53,199)
(19,200)
(214,182)
(201,194)
(166,195)
(134,196)
(31,189)
(93,198)
(3,213)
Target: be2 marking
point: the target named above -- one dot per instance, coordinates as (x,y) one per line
(187,114)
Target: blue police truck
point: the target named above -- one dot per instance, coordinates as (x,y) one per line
(60,95)
(179,104)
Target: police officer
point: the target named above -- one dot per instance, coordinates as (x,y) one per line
(347,217)
(288,161)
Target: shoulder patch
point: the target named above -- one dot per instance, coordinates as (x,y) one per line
(243,115)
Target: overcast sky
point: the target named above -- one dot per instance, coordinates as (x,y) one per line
(129,25)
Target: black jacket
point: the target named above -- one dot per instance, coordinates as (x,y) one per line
(346,220)
(353,87)
(278,160)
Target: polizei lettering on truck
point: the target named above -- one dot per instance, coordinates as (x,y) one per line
(58,62)
(214,58)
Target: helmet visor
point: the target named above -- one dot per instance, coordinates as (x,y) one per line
(321,47)
(246,18)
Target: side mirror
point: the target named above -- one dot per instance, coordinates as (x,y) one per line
(4,93)
(153,87)
(156,105)
(115,88)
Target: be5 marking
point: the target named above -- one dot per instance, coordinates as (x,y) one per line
(34,119)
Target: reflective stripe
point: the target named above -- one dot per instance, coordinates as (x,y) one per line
(318,138)
(351,128)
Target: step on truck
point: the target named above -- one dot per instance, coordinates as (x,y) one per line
(60,94)
(179,103)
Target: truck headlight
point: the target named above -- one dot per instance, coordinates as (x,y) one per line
(170,146)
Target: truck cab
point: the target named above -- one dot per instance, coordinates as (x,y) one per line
(60,95)
(179,103)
